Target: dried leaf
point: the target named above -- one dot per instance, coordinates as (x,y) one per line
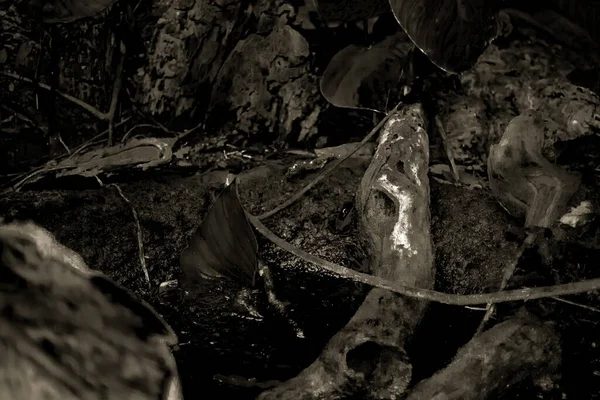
(452,33)
(223,246)
(138,153)
(369,78)
(578,216)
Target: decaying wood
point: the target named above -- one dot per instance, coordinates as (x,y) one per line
(508,353)
(67,332)
(523,180)
(368,353)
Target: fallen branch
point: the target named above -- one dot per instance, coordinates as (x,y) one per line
(517,349)
(368,355)
(426,294)
(141,256)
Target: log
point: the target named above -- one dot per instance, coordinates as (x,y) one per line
(504,355)
(367,356)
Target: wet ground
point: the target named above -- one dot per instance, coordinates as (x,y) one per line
(219,338)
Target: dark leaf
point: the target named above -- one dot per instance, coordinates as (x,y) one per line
(3,55)
(559,26)
(452,33)
(62,11)
(23,52)
(584,13)
(224,246)
(350,10)
(370,78)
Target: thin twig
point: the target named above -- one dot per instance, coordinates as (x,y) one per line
(138,227)
(181,135)
(40,171)
(87,107)
(98,136)
(178,134)
(118,83)
(426,294)
(590,308)
(265,273)
(60,139)
(126,136)
(508,273)
(447,149)
(327,171)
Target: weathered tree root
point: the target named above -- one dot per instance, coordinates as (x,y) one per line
(500,357)
(368,355)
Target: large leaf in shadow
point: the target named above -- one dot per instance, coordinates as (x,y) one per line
(452,33)
(584,13)
(63,11)
(369,78)
(223,246)
(350,10)
(558,26)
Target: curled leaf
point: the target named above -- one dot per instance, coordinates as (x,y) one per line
(137,153)
(452,33)
(223,246)
(369,78)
